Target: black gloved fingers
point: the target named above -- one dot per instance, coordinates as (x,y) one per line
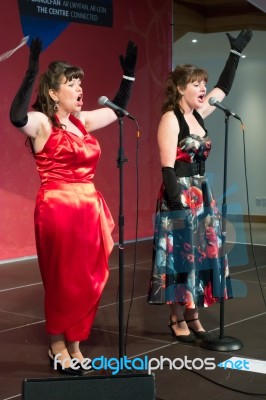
(19,107)
(240,42)
(35,50)
(246,34)
(128,62)
(35,47)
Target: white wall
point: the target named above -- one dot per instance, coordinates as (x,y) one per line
(248,99)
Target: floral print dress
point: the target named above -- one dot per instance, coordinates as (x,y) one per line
(187,247)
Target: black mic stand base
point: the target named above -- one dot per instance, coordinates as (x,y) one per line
(226,343)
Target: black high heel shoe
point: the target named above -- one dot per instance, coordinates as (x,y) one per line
(181,338)
(59,367)
(84,369)
(198,334)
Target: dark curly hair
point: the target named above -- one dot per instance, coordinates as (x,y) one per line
(52,79)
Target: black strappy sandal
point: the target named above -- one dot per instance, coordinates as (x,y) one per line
(181,338)
(198,334)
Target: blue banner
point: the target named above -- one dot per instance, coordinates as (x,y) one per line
(93,12)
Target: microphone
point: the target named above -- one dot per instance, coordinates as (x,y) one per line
(120,112)
(214,102)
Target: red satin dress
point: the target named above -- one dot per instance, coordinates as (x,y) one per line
(73,228)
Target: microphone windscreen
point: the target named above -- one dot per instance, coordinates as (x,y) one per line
(102,100)
(212,101)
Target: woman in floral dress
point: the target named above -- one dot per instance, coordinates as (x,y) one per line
(187,253)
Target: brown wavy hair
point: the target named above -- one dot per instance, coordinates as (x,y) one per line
(181,76)
(52,79)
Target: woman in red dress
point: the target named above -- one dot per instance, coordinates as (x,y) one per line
(73,224)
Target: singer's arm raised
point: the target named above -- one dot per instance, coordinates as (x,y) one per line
(226,79)
(206,108)
(96,119)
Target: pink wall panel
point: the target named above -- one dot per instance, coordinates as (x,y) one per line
(96,49)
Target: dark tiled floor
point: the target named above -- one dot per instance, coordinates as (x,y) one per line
(23,350)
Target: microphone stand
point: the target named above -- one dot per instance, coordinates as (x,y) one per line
(121,159)
(223,343)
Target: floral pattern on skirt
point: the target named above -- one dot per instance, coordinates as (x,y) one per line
(187,252)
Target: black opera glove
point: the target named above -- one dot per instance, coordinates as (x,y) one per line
(19,107)
(238,44)
(35,50)
(241,41)
(173,193)
(128,64)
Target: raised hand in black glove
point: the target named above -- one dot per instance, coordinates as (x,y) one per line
(241,41)
(19,108)
(237,44)
(128,64)
(35,50)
